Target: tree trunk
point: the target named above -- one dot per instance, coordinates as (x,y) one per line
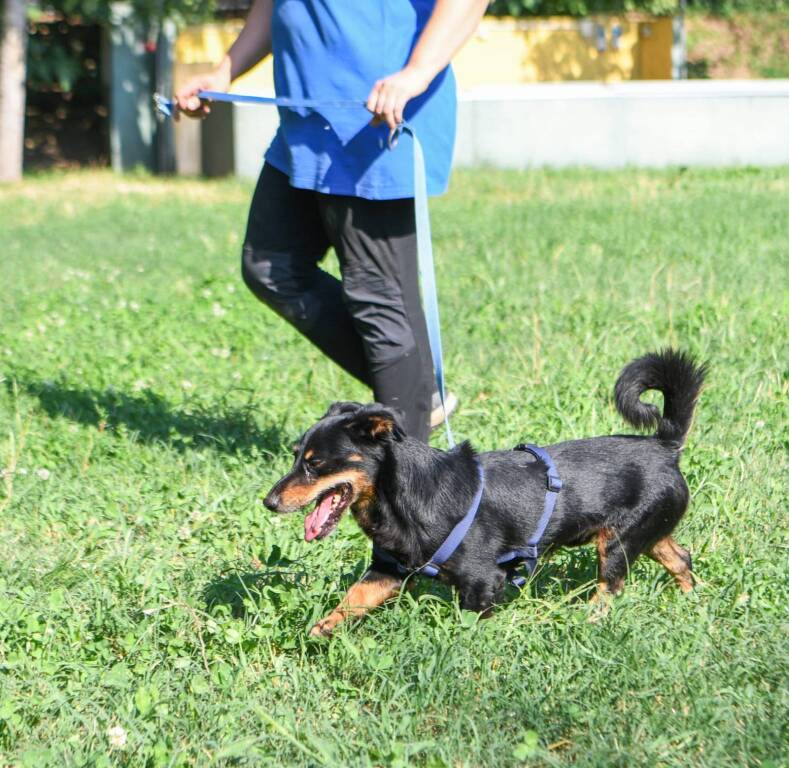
(13,45)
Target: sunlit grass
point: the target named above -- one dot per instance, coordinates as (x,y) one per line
(152,612)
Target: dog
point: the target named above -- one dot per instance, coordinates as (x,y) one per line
(625,493)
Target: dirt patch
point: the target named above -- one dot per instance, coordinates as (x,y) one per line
(740,46)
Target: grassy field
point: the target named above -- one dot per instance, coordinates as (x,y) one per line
(152,612)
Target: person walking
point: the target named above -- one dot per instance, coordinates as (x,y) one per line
(330,180)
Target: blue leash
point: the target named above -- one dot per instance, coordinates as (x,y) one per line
(424,244)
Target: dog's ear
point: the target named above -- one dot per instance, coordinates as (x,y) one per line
(378,422)
(344,406)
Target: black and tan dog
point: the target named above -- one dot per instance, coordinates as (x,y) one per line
(623,492)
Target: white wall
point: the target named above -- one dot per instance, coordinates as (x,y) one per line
(640,124)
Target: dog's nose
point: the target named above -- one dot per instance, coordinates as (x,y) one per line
(272,501)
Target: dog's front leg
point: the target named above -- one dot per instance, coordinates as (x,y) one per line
(369,592)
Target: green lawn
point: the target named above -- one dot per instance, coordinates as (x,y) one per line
(147,402)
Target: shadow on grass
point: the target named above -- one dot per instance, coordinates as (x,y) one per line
(571,569)
(276,580)
(232,590)
(151,418)
(574,570)
(280,576)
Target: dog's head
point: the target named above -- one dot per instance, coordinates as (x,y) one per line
(336,465)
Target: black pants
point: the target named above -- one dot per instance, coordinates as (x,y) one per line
(370,323)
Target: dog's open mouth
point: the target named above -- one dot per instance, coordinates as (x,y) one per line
(327,513)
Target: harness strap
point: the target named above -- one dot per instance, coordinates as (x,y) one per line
(450,544)
(528,554)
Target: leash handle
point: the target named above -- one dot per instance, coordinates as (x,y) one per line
(165,108)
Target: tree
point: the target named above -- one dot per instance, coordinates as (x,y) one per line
(13,46)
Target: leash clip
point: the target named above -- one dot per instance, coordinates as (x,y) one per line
(163,107)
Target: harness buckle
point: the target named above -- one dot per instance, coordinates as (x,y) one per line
(429,569)
(529,552)
(554,483)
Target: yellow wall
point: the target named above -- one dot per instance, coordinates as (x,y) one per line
(503,51)
(559,48)
(200,46)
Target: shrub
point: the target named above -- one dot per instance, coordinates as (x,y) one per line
(657,7)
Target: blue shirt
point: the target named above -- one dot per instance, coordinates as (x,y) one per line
(336,50)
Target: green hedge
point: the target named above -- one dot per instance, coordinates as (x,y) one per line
(183,10)
(658,7)
(98,11)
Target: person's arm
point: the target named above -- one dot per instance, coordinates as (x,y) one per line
(450,25)
(252,45)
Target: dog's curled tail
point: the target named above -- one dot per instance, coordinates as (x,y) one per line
(674,373)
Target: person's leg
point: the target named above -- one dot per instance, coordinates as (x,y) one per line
(284,242)
(375,242)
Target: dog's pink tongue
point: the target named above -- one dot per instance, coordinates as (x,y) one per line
(317,518)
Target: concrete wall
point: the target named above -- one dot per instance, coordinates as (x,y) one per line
(133,73)
(644,124)
(648,124)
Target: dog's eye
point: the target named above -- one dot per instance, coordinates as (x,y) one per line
(313,462)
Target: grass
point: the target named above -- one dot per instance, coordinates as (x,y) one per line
(147,402)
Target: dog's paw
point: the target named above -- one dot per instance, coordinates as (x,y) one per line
(600,607)
(325,627)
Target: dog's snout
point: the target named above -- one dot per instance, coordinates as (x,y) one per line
(273,501)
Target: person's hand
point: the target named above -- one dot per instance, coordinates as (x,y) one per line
(389,96)
(186,98)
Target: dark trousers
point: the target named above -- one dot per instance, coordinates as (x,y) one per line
(371,323)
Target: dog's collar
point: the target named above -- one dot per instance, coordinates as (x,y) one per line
(515,558)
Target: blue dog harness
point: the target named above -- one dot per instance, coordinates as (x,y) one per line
(514,559)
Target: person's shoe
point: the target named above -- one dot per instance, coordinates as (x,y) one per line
(437,412)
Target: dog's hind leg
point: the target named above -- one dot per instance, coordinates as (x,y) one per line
(617,550)
(676,560)
(612,563)
(369,592)
(643,529)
